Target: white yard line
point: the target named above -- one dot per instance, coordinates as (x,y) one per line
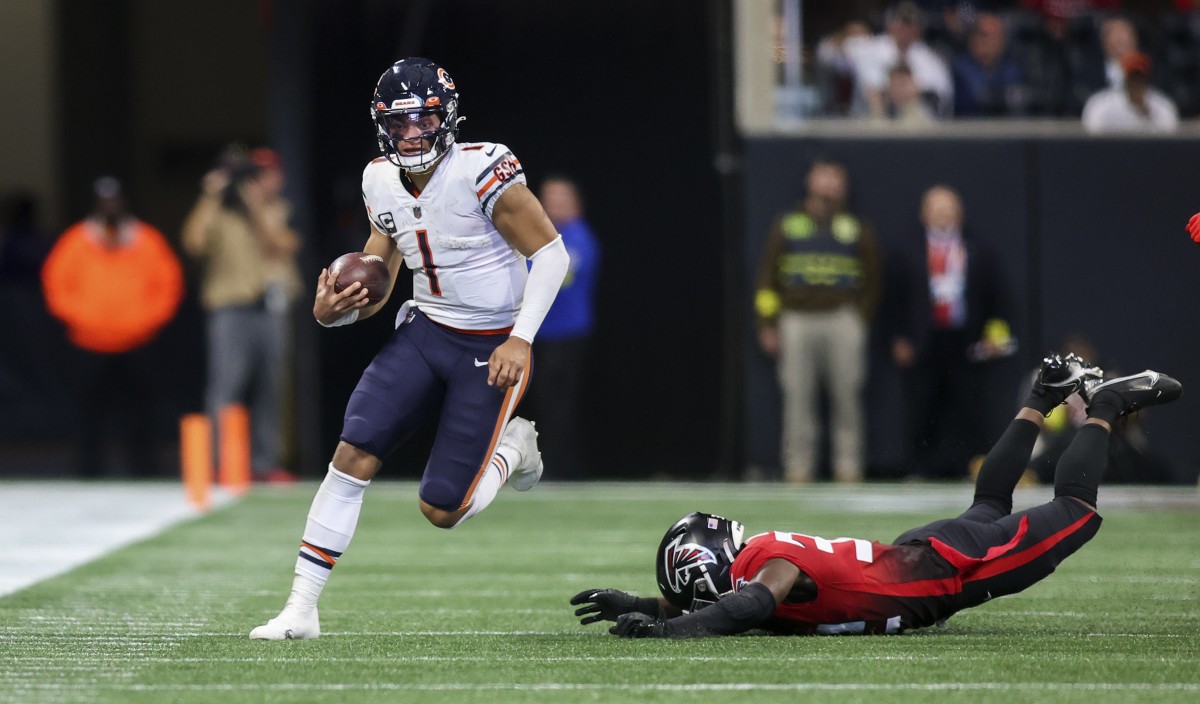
(48,528)
(584,687)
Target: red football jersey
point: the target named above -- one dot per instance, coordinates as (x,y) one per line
(862,586)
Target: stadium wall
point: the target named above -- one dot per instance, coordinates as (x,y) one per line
(1089,234)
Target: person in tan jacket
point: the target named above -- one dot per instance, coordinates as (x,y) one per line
(239,230)
(114,282)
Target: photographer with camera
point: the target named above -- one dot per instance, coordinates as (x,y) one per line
(239,230)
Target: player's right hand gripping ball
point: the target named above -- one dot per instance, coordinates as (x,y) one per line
(367,269)
(1193,228)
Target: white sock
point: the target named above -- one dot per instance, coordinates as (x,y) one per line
(331,522)
(489,485)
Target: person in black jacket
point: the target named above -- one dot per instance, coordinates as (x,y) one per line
(947,316)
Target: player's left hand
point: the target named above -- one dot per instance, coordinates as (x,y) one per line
(637,625)
(507,362)
(603,605)
(1193,228)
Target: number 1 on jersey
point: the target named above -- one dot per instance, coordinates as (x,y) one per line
(427,262)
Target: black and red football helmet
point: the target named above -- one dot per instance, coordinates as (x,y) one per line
(695,558)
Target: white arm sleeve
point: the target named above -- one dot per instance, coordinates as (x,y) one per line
(545,278)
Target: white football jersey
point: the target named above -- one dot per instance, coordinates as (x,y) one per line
(465,274)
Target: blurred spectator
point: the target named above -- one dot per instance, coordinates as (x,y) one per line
(904,107)
(561,350)
(114,283)
(1135,107)
(818,284)
(1119,40)
(1058,15)
(239,228)
(835,70)
(1130,459)
(945,317)
(987,82)
(874,56)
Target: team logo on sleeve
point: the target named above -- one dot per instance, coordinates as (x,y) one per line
(681,558)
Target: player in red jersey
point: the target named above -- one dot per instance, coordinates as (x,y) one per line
(797,583)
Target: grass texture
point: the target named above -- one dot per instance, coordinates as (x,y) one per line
(480,613)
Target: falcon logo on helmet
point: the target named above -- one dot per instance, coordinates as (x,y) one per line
(411,91)
(682,559)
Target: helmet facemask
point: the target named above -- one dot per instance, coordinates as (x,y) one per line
(392,145)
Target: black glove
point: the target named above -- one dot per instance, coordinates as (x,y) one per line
(638,625)
(608,604)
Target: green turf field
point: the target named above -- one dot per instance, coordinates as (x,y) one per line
(480,614)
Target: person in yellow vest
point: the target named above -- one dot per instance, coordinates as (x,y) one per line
(114,282)
(818,285)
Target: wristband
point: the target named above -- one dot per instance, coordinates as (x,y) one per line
(344,320)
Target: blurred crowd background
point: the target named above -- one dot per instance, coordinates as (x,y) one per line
(678,134)
(972,59)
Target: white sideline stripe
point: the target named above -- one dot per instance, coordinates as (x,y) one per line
(700,687)
(55,662)
(49,528)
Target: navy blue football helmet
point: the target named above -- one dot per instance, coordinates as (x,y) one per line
(695,558)
(413,88)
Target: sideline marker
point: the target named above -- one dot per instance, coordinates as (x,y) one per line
(234,436)
(195,459)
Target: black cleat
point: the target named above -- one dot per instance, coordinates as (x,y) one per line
(1060,377)
(1137,391)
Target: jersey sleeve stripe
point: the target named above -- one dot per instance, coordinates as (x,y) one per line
(486,186)
(486,202)
(494,164)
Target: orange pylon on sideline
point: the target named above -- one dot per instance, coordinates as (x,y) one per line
(195,459)
(234,446)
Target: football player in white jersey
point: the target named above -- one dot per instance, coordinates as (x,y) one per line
(462,219)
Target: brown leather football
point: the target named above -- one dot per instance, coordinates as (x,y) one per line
(367,269)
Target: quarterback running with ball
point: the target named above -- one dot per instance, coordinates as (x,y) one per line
(462,219)
(715,582)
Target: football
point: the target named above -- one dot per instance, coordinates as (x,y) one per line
(367,269)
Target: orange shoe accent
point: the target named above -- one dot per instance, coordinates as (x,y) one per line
(195,459)
(234,473)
